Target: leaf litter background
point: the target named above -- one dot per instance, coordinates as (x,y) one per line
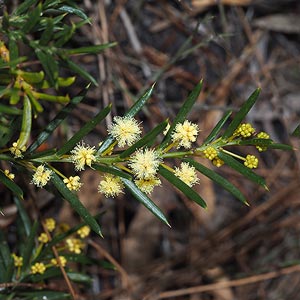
(229,251)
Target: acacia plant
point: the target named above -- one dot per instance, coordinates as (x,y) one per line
(126,159)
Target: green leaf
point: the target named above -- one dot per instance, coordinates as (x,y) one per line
(248,173)
(13,50)
(14,125)
(9,110)
(80,278)
(256,142)
(183,187)
(11,185)
(29,246)
(89,126)
(296,132)
(147,202)
(183,112)
(91,49)
(23,214)
(228,186)
(111,170)
(47,33)
(240,115)
(149,137)
(65,35)
(73,10)
(22,8)
(217,128)
(44,294)
(33,18)
(76,204)
(6,261)
(44,135)
(32,77)
(281,146)
(26,123)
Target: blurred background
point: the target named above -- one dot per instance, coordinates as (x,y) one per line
(229,251)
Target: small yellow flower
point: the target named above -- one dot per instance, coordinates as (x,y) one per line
(145,163)
(50,224)
(245,130)
(126,130)
(4,52)
(18,260)
(43,238)
(262,135)
(184,134)
(41,176)
(187,174)
(75,245)
(73,183)
(62,259)
(210,153)
(218,162)
(38,268)
(11,176)
(147,185)
(16,150)
(84,231)
(251,162)
(110,186)
(82,155)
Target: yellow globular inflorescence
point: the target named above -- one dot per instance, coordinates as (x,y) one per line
(41,176)
(147,185)
(16,150)
(50,224)
(73,183)
(251,161)
(218,162)
(210,153)
(62,260)
(4,52)
(84,231)
(187,174)
(18,260)
(110,186)
(43,238)
(82,155)
(11,176)
(126,130)
(262,135)
(38,268)
(75,245)
(145,163)
(245,130)
(185,134)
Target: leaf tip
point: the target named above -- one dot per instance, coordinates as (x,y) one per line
(247,203)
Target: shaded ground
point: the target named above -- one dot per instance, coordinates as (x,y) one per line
(250,252)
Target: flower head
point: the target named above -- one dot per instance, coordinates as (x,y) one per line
(82,155)
(84,231)
(18,260)
(251,162)
(187,174)
(43,238)
(50,224)
(218,162)
(41,176)
(16,150)
(147,185)
(75,245)
(73,183)
(185,133)
(11,176)
(38,268)
(262,135)
(245,130)
(110,186)
(210,153)
(145,163)
(62,260)
(125,130)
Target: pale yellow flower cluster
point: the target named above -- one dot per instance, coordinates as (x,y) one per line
(185,134)
(38,268)
(75,245)
(18,260)
(41,176)
(43,238)
(82,155)
(187,174)
(110,186)
(84,231)
(62,260)
(50,224)
(73,183)
(16,150)
(251,162)
(11,176)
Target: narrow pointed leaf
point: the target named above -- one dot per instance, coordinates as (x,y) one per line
(217,128)
(73,10)
(11,185)
(22,8)
(29,246)
(91,49)
(80,277)
(183,187)
(33,18)
(26,123)
(228,186)
(23,214)
(89,126)
(143,198)
(76,204)
(10,110)
(47,33)
(42,295)
(280,146)
(240,115)
(183,112)
(248,173)
(256,142)
(145,139)
(32,77)
(6,261)
(44,135)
